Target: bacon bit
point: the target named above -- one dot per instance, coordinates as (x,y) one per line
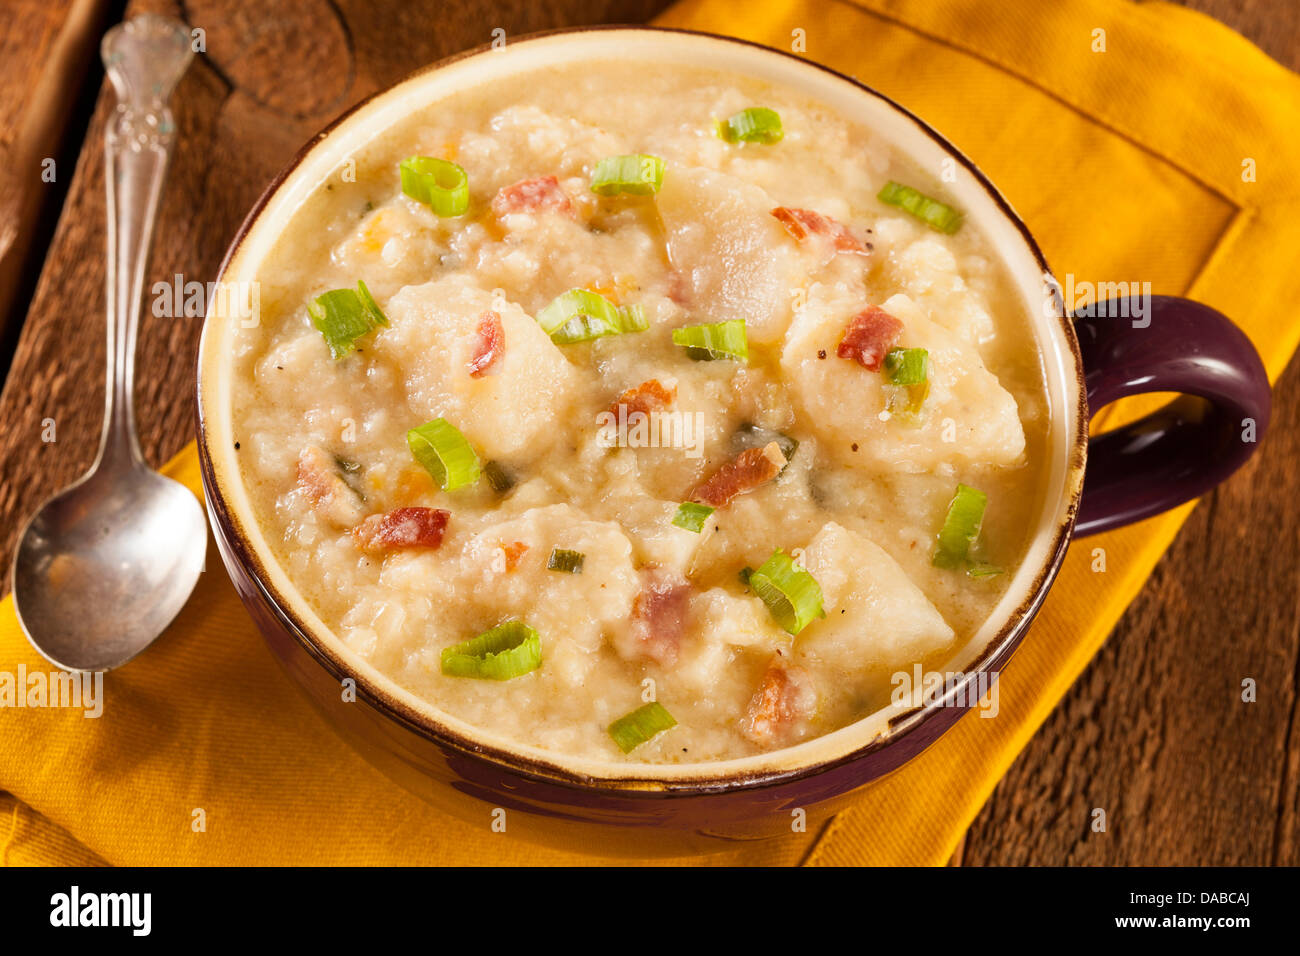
(782,698)
(751,468)
(489,345)
(513,552)
(331,497)
(659,615)
(679,290)
(542,194)
(868,336)
(402,528)
(802,223)
(647,397)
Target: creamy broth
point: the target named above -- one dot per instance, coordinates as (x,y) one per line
(657,610)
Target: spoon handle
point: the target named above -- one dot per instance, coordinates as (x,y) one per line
(144,58)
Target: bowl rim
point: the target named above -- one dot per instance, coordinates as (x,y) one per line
(901,727)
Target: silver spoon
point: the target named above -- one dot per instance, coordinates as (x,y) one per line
(107,563)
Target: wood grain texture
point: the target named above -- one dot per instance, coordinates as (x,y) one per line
(46,47)
(1154,732)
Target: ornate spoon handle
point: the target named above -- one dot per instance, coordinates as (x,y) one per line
(144,58)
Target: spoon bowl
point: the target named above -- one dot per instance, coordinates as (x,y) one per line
(105,565)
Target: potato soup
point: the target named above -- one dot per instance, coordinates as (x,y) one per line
(652,421)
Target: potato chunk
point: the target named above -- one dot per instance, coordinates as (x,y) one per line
(736,260)
(394,245)
(967,417)
(571,611)
(876,618)
(508,412)
(655,539)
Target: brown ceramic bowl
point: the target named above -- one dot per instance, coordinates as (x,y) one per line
(1168,458)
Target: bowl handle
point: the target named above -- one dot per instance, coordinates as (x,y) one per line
(1166,344)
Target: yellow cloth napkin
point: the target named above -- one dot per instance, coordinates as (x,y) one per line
(1128,165)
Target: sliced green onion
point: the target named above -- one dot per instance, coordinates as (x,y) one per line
(750,435)
(692,516)
(570,562)
(757,124)
(637,174)
(745,574)
(906,401)
(508,650)
(907,366)
(445,454)
(977,564)
(791,594)
(908,372)
(960,528)
(933,213)
(350,471)
(500,479)
(579,315)
(438,183)
(369,303)
(714,340)
(344,315)
(641,726)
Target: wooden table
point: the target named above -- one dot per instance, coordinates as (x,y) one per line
(1154,730)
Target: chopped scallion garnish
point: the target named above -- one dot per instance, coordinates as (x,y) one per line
(714,340)
(438,183)
(445,454)
(350,472)
(906,401)
(637,174)
(908,372)
(791,594)
(977,563)
(641,726)
(506,651)
(907,366)
(579,315)
(570,562)
(692,516)
(755,125)
(346,466)
(933,213)
(500,479)
(344,315)
(961,527)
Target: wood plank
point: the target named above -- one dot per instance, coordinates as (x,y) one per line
(1155,731)
(45,49)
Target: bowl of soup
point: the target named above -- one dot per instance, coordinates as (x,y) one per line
(646,429)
